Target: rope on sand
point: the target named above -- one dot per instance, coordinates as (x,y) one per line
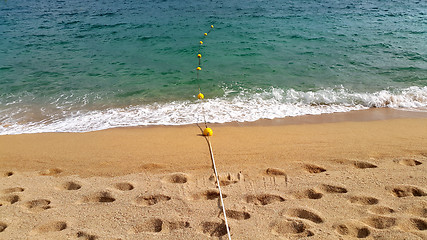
(207,132)
(219,187)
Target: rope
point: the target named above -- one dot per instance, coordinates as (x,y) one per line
(201,96)
(219,187)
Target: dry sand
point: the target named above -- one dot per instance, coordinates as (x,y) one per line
(330,179)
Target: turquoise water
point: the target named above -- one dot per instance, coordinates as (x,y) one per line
(89,65)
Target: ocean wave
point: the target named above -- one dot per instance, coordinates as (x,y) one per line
(242,106)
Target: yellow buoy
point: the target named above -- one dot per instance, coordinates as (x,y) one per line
(201,42)
(207,132)
(199,55)
(199,68)
(200,96)
(206,34)
(211,26)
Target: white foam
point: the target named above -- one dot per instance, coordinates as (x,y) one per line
(242,107)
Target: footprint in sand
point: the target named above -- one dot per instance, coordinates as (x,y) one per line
(407,191)
(124,186)
(309,193)
(326,188)
(313,168)
(303,214)
(363,200)
(85,236)
(381,210)
(70,186)
(363,165)
(156,225)
(226,179)
(263,199)
(214,229)
(99,197)
(176,225)
(176,178)
(151,200)
(9,199)
(208,195)
(50,172)
(413,224)
(151,225)
(276,172)
(381,222)
(8,174)
(37,205)
(55,226)
(238,215)
(12,190)
(290,227)
(356,230)
(418,224)
(3,226)
(408,162)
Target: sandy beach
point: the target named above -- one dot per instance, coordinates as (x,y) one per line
(337,176)
(318,111)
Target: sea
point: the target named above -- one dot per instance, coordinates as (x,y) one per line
(79,66)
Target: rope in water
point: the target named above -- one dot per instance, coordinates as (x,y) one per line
(207,132)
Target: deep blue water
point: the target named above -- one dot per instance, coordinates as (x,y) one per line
(89,65)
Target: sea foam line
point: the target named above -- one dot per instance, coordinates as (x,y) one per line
(242,107)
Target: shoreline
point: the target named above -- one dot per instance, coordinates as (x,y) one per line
(361,134)
(84,125)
